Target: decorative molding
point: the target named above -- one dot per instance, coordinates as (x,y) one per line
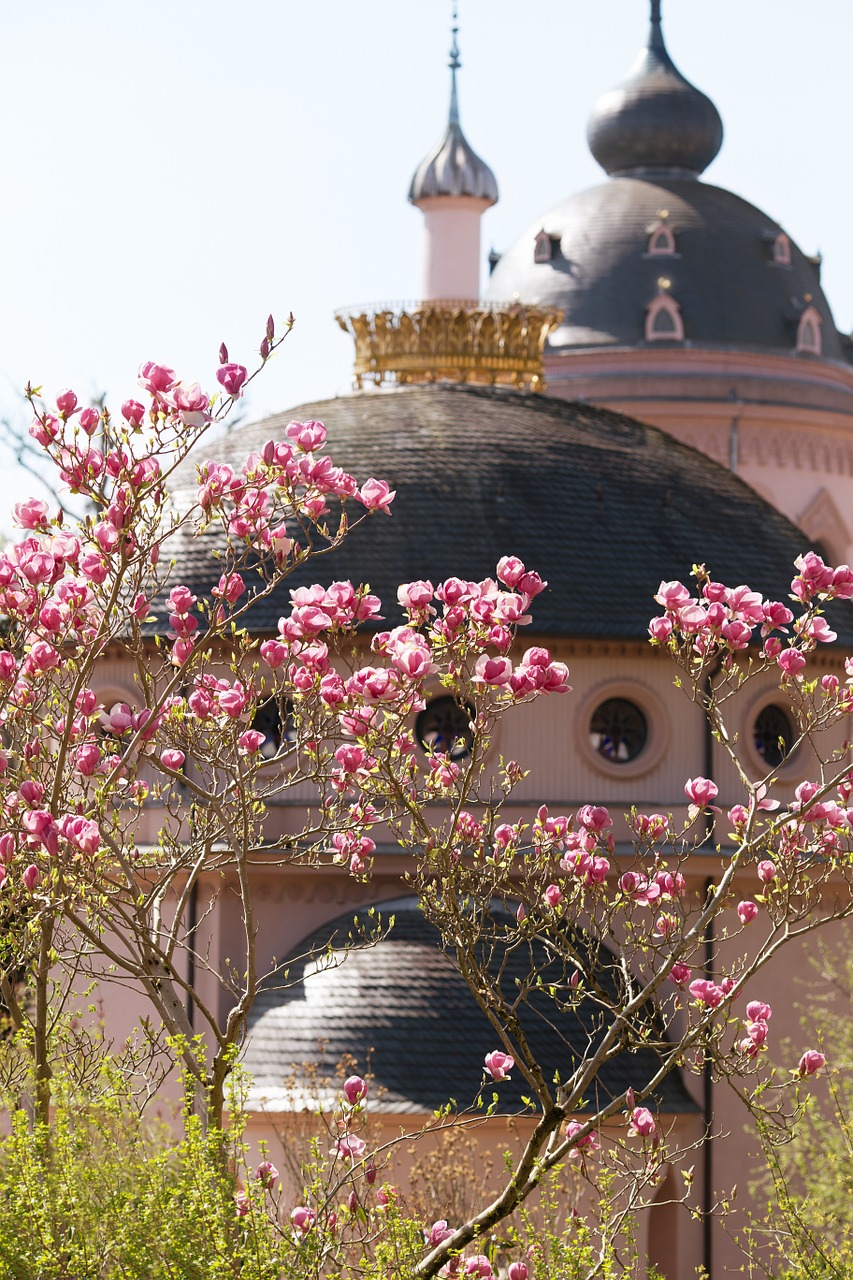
(822,522)
(448,340)
(338,891)
(802,447)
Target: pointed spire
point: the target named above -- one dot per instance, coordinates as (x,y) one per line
(454,65)
(656,30)
(453,168)
(656,120)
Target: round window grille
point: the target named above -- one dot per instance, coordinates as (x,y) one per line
(773,735)
(445,726)
(618,730)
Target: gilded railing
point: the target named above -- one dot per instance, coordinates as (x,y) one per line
(450,340)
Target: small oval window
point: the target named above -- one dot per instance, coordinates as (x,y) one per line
(445,726)
(618,730)
(773,735)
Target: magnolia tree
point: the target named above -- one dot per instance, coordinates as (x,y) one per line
(537,913)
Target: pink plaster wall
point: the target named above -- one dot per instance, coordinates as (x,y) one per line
(451,254)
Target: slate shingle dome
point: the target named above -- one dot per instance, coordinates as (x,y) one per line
(730,292)
(402,1008)
(602,506)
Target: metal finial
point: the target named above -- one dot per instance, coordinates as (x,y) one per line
(454,65)
(655,32)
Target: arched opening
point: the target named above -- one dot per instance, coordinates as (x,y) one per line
(661,241)
(809,332)
(543,248)
(663,320)
(782,250)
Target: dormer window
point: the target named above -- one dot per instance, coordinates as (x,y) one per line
(663,320)
(782,250)
(543,248)
(808,332)
(661,241)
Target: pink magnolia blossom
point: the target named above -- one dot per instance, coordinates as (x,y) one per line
(479,1267)
(679,973)
(594,817)
(791,661)
(172,758)
(308,435)
(642,1123)
(499,1064)
(759,1011)
(672,595)
(66,403)
(251,741)
(437,1234)
(133,412)
(354,1090)
(747,911)
(518,1271)
(700,791)
(811,1062)
(553,895)
(230,588)
(156,378)
(660,629)
(32,514)
(89,420)
(349,1147)
(231,378)
(766,871)
(303,1219)
(707,992)
(492,671)
(375,495)
(267,1173)
(241,1203)
(30,877)
(589,1142)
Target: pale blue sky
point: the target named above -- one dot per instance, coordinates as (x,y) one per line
(177,169)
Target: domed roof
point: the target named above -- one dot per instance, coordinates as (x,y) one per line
(730,289)
(453,167)
(398,1007)
(602,506)
(655,119)
(606,255)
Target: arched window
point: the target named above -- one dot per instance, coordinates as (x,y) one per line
(543,248)
(782,250)
(661,241)
(808,332)
(663,320)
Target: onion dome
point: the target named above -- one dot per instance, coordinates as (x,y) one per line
(453,168)
(399,1004)
(656,120)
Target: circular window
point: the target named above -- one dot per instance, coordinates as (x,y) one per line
(445,726)
(773,735)
(618,730)
(267,720)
